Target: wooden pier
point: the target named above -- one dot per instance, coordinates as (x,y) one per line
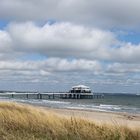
(76,92)
(54,95)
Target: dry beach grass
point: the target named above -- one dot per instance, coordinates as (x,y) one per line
(24,122)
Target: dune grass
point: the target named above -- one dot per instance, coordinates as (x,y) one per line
(24,122)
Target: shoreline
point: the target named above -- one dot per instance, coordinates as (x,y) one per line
(111,118)
(110,104)
(100,117)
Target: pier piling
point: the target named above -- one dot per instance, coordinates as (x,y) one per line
(27,96)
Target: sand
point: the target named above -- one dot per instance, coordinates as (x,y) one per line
(117,119)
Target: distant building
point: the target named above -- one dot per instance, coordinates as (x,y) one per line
(80,89)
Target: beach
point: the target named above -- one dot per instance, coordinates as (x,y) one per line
(24,121)
(118,110)
(107,118)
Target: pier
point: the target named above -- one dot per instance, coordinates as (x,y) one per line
(52,95)
(76,92)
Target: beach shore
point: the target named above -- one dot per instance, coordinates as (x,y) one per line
(109,118)
(29,122)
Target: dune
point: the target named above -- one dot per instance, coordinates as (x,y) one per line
(26,122)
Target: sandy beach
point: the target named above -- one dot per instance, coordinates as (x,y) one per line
(117,119)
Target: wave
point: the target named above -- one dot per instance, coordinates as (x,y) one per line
(116,107)
(75,105)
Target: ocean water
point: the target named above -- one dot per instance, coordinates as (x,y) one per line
(110,103)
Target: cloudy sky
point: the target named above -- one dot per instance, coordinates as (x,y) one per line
(51,45)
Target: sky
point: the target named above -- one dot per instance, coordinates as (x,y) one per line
(52,45)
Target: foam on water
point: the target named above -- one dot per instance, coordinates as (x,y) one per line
(90,109)
(116,107)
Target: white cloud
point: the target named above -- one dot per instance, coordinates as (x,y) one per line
(57,64)
(42,70)
(127,52)
(51,64)
(107,13)
(5,41)
(60,39)
(123,68)
(67,40)
(69,71)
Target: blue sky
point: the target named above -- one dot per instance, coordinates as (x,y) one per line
(130,36)
(3,24)
(54,45)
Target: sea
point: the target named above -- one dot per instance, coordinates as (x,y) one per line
(127,103)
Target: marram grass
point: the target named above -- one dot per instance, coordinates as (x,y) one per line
(23,122)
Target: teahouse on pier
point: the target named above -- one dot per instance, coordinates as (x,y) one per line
(80,92)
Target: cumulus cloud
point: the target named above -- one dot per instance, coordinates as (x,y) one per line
(31,71)
(51,64)
(123,68)
(127,52)
(66,40)
(107,13)
(59,39)
(62,70)
(5,41)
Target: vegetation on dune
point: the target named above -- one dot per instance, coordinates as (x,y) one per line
(23,122)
